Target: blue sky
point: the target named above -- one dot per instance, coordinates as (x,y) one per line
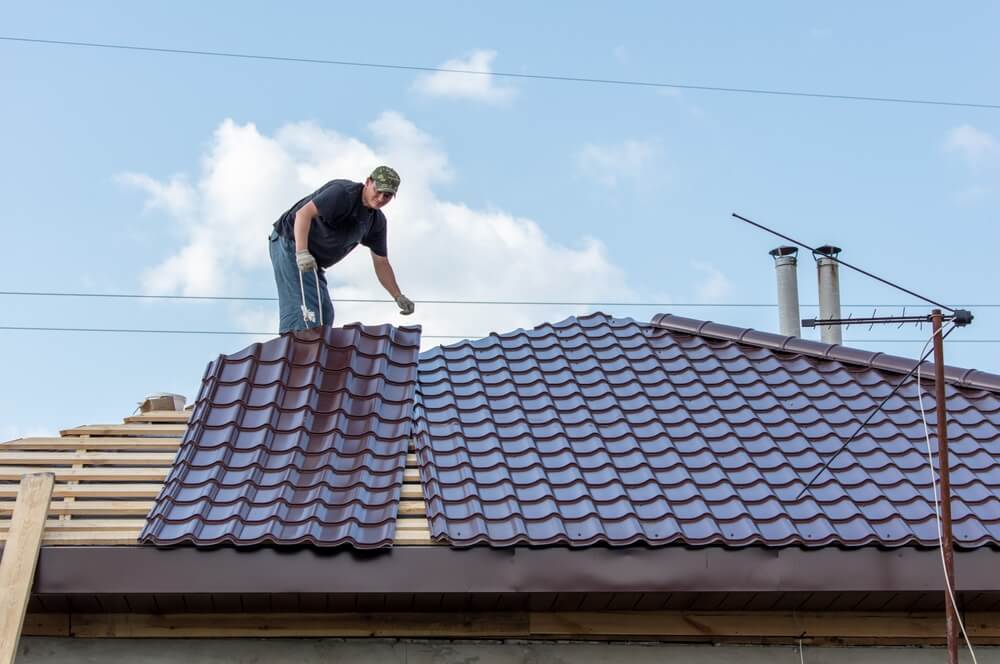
(132,172)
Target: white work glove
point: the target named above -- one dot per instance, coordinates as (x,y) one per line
(305,261)
(405,305)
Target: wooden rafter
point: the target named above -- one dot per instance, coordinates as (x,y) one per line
(20,555)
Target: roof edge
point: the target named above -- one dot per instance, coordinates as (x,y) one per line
(973,378)
(438,569)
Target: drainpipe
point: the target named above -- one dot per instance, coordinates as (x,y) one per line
(785,262)
(828,276)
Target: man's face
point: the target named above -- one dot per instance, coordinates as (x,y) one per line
(373,198)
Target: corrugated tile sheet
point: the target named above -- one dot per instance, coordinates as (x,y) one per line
(608,430)
(299,439)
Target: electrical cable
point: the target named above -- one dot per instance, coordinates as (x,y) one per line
(235,298)
(501,74)
(33,328)
(147,331)
(937,506)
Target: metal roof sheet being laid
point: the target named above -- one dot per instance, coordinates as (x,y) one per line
(299,439)
(603,430)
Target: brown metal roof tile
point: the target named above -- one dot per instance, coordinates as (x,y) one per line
(607,430)
(299,439)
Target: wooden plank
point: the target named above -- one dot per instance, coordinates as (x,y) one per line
(736,624)
(413,491)
(97,474)
(82,442)
(75,465)
(46,624)
(777,627)
(415,538)
(413,508)
(20,555)
(81,525)
(378,625)
(90,538)
(91,507)
(94,490)
(411,475)
(18,458)
(411,461)
(415,523)
(171,430)
(87,538)
(160,416)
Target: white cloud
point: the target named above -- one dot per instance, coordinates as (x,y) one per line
(478,87)
(981,152)
(176,196)
(440,249)
(611,165)
(714,287)
(971,143)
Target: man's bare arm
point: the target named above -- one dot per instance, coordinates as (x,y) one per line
(386,277)
(303,220)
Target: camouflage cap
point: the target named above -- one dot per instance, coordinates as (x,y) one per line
(386,179)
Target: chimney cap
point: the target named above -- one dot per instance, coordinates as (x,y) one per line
(827,250)
(162,401)
(784,250)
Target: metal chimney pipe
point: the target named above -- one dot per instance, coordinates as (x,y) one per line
(785,269)
(828,276)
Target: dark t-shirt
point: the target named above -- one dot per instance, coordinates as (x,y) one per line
(341,223)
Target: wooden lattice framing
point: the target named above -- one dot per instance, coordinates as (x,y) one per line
(108,475)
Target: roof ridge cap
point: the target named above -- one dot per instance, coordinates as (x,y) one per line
(965,377)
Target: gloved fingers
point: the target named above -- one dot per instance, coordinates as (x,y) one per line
(305,261)
(405,305)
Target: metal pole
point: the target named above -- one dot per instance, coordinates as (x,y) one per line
(828,279)
(788,290)
(951,621)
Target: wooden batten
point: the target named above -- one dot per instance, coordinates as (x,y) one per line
(151,430)
(160,417)
(97,443)
(751,627)
(107,476)
(118,458)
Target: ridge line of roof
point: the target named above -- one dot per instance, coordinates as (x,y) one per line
(849,355)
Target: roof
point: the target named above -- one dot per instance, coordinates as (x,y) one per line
(299,439)
(603,430)
(106,476)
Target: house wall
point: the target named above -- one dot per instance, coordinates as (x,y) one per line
(62,650)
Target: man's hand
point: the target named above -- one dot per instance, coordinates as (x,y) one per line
(305,261)
(405,304)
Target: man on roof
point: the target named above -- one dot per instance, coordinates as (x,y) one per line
(318,232)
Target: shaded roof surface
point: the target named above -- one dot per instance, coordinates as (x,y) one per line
(597,429)
(299,439)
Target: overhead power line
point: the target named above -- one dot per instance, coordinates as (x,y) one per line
(26,328)
(542,77)
(235,298)
(147,331)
